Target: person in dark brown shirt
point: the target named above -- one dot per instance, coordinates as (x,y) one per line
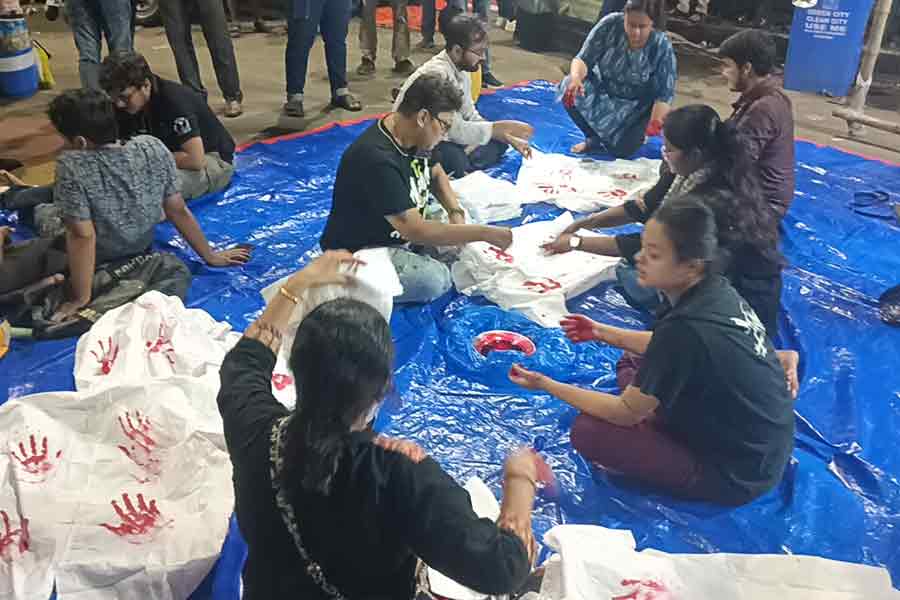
(763,114)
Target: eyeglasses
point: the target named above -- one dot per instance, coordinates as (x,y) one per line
(445,126)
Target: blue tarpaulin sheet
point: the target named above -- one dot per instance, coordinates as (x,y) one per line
(840,497)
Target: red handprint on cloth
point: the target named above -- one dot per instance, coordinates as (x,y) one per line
(163,344)
(107,356)
(613,194)
(626,176)
(281,380)
(142,450)
(13,542)
(35,460)
(499,254)
(542,287)
(138,523)
(644,589)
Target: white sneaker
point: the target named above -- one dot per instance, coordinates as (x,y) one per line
(500,23)
(510,26)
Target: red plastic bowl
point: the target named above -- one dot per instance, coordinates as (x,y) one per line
(503,341)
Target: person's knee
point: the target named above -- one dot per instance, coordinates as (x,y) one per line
(581,433)
(425,282)
(453,159)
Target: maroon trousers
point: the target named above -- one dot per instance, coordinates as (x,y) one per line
(647,452)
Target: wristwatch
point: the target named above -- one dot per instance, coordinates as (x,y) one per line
(574,242)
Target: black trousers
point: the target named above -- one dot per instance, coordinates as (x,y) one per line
(457,163)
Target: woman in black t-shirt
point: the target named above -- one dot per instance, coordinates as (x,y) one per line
(705,155)
(708,415)
(328,509)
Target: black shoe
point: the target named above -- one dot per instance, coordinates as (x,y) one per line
(366,68)
(425,45)
(488,79)
(405,67)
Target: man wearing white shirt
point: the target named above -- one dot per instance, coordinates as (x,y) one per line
(473,143)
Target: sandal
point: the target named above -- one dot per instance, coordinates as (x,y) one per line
(347,102)
(875,203)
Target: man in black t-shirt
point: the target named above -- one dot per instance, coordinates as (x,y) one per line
(383,185)
(180,117)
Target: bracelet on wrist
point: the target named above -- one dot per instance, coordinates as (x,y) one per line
(283,292)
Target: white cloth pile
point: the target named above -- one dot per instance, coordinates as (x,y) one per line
(487,199)
(121,489)
(525,278)
(583,184)
(593,562)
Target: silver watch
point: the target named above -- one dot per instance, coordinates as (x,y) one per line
(574,242)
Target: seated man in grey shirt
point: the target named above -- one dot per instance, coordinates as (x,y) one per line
(110,196)
(472,143)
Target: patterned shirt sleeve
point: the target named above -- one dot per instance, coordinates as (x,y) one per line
(666,70)
(69,193)
(598,40)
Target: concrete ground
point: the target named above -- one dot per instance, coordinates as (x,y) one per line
(26,134)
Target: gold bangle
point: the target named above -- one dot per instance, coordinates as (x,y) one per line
(288,295)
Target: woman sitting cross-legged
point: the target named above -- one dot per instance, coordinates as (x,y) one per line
(328,509)
(708,415)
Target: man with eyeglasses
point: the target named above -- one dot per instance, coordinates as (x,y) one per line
(177,115)
(473,143)
(384,185)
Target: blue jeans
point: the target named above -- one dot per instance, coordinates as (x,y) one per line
(332,18)
(423,278)
(91,21)
(611,6)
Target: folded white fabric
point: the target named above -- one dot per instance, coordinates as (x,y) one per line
(594,562)
(486,199)
(583,184)
(525,278)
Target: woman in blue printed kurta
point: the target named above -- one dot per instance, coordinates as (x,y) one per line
(622,83)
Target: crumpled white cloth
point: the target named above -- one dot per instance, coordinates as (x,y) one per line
(583,184)
(593,562)
(487,199)
(123,491)
(377,284)
(525,278)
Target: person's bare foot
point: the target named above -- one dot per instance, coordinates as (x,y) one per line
(580,148)
(790,361)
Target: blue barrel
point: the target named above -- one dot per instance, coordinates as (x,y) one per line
(18,71)
(825,46)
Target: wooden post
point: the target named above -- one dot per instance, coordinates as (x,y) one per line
(856,101)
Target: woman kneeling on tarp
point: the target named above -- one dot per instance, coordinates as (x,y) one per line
(707,415)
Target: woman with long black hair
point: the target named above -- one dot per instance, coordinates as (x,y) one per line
(328,509)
